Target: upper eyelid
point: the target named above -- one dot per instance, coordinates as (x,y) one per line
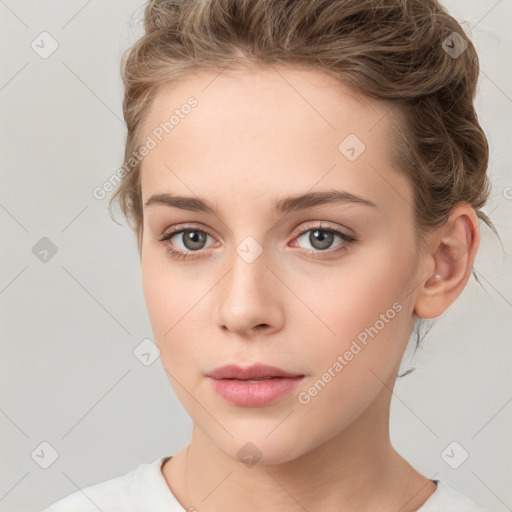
(302,228)
(185,227)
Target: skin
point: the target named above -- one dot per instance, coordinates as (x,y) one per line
(256,136)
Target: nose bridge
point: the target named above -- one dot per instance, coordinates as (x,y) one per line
(245,299)
(248,269)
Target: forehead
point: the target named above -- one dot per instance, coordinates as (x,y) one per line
(274,96)
(275,127)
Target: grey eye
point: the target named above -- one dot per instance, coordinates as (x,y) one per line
(192,239)
(320,239)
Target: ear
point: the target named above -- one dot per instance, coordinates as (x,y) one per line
(448,262)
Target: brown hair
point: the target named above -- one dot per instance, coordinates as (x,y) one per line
(411,53)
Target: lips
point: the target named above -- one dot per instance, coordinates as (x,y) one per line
(258,385)
(254,372)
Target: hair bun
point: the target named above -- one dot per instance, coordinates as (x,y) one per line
(160,14)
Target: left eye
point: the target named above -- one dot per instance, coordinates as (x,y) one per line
(322,238)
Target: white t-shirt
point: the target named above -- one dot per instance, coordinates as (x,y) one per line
(145,489)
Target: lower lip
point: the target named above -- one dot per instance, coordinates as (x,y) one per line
(254,394)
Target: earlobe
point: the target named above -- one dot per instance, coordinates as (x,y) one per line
(450,260)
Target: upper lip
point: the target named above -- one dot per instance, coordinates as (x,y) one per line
(255,371)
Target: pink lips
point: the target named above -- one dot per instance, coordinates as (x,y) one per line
(253,386)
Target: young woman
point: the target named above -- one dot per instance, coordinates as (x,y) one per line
(305,179)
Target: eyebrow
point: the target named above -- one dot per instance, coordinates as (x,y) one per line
(288,204)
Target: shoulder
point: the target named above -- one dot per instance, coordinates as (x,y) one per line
(140,489)
(447,499)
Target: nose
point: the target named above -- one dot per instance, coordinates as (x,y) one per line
(248,300)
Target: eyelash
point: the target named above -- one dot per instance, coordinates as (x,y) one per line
(181,255)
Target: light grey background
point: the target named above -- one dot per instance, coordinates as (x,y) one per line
(69,326)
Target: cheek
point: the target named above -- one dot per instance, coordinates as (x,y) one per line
(176,302)
(174,309)
(368,303)
(370,324)
(156,286)
(166,299)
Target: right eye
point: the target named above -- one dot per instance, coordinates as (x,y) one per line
(191,239)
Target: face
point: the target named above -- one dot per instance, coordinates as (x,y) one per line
(319,288)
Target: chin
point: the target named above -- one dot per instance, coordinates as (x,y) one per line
(253,448)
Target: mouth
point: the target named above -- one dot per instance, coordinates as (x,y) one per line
(255,386)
